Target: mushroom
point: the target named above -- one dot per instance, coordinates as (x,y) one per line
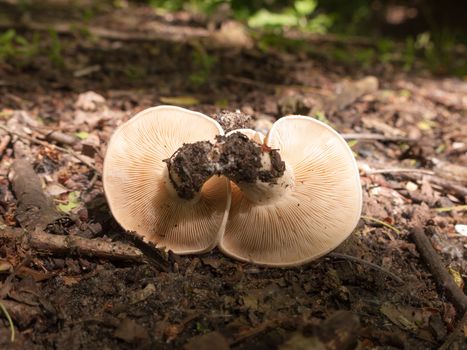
(309,210)
(141,195)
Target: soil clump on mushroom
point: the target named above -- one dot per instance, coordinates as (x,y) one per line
(234,156)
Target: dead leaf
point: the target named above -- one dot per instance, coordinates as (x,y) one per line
(89,101)
(457,277)
(70,280)
(73,202)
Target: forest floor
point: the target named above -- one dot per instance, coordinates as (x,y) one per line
(90,80)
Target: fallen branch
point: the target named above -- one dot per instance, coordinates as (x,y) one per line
(441,276)
(45,243)
(366,263)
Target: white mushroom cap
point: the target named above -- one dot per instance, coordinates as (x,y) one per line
(312,215)
(139,192)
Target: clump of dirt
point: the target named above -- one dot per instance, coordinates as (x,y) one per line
(190,167)
(234,156)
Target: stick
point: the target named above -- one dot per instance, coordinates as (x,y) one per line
(367,263)
(47,144)
(74,245)
(376,137)
(400,170)
(60,137)
(441,276)
(370,171)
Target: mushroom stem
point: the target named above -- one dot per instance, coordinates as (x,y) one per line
(250,165)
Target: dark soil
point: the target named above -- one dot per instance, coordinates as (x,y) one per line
(70,301)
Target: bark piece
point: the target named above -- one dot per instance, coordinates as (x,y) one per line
(34,209)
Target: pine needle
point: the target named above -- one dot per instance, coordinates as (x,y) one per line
(385,224)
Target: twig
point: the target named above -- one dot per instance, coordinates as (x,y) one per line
(47,144)
(399,170)
(376,137)
(10,322)
(367,263)
(63,28)
(457,333)
(60,137)
(441,276)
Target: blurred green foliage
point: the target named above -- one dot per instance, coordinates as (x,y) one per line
(19,51)
(16,47)
(435,46)
(259,14)
(203,64)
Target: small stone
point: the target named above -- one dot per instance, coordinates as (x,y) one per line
(410,186)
